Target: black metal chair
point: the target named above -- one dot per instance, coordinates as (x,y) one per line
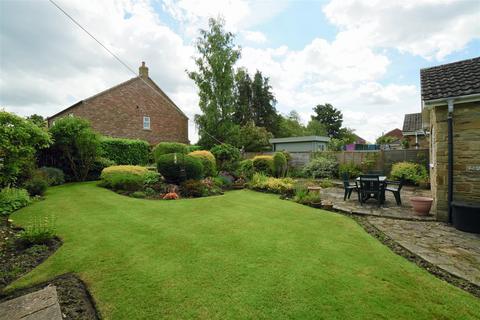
(395,187)
(371,188)
(349,188)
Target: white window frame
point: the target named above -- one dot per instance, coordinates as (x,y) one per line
(146,123)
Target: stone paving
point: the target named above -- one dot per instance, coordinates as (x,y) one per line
(452,250)
(39,305)
(388,209)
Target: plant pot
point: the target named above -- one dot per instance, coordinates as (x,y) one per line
(315,204)
(466,216)
(421,205)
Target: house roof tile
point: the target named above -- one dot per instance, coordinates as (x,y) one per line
(451,80)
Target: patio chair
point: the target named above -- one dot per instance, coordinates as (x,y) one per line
(395,187)
(371,187)
(349,188)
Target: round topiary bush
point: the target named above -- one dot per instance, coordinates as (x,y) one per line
(263,164)
(178,167)
(208,161)
(279,164)
(169,147)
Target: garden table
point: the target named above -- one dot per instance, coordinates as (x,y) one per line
(382,180)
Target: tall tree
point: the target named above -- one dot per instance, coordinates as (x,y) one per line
(214,78)
(263,103)
(330,117)
(291,126)
(243,97)
(316,128)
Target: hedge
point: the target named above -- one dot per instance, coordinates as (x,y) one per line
(125,151)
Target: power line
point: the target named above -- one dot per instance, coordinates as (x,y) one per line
(114,55)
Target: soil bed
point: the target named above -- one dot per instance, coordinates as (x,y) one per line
(73,296)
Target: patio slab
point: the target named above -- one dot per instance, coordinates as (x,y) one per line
(452,250)
(389,209)
(39,305)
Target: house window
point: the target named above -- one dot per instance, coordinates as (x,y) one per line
(146,123)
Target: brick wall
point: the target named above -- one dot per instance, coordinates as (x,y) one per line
(466,139)
(119,112)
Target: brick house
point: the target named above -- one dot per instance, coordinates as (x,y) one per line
(451,113)
(134,109)
(413,131)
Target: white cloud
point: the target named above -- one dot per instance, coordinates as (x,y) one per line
(254,36)
(428,28)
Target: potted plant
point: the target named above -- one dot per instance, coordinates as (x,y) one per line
(421,205)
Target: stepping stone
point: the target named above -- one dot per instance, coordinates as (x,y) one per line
(39,305)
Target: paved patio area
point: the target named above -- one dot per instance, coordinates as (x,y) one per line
(39,305)
(452,250)
(388,209)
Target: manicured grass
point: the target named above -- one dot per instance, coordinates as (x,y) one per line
(237,256)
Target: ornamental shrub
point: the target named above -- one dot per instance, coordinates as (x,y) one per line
(178,167)
(263,164)
(246,168)
(126,178)
(262,182)
(279,164)
(409,171)
(193,188)
(19,141)
(321,167)
(54,176)
(208,161)
(168,147)
(125,151)
(227,157)
(76,147)
(37,184)
(99,164)
(351,169)
(12,199)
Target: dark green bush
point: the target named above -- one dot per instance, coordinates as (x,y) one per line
(208,161)
(169,147)
(12,199)
(246,168)
(279,164)
(227,157)
(54,176)
(125,151)
(351,169)
(36,185)
(178,167)
(263,164)
(98,165)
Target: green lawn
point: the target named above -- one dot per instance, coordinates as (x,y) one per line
(237,256)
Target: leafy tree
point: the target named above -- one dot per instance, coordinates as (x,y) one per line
(76,146)
(254,138)
(19,141)
(243,97)
(38,120)
(215,81)
(290,126)
(316,128)
(263,104)
(330,117)
(385,139)
(346,136)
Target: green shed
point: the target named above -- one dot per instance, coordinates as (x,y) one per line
(300,144)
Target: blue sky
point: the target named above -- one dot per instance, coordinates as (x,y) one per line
(363,56)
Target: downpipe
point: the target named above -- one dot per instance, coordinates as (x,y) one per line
(450,159)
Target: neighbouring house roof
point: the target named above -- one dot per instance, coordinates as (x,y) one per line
(359,140)
(300,139)
(151,83)
(412,122)
(395,133)
(461,78)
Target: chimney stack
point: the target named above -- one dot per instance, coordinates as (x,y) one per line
(143,70)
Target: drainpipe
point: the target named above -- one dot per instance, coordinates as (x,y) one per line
(450,158)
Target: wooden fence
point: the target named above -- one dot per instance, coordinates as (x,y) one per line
(382,160)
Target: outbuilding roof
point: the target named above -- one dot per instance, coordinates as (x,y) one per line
(461,78)
(412,122)
(300,139)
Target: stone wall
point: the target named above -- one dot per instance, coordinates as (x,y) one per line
(466,161)
(119,111)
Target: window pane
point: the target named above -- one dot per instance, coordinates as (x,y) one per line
(146,122)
